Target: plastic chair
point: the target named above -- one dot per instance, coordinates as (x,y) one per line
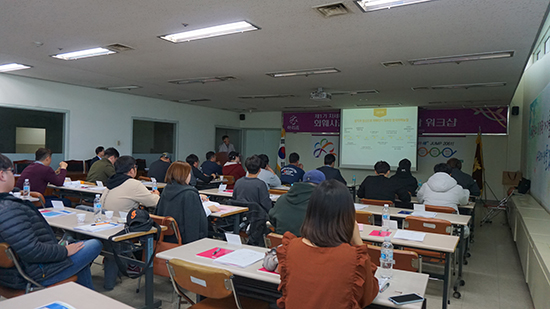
(376,202)
(144,178)
(213,283)
(228,179)
(88,164)
(278,191)
(8,259)
(273,240)
(76,166)
(443,209)
(364,217)
(430,225)
(20,165)
(41,200)
(404,259)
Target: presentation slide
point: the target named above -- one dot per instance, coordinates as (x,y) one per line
(372,134)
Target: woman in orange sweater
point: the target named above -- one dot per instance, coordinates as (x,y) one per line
(328,267)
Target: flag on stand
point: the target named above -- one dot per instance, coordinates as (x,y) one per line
(477,171)
(281,154)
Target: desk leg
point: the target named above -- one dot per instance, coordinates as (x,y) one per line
(446,280)
(149,287)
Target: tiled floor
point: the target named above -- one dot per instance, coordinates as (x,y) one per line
(493,276)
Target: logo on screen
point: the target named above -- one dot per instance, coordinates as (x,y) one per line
(380,112)
(323,147)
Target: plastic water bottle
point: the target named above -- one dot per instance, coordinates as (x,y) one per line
(353,180)
(154,183)
(386,217)
(386,258)
(419,185)
(97,208)
(26,188)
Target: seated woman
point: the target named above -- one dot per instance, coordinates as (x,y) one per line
(328,267)
(183,202)
(233,167)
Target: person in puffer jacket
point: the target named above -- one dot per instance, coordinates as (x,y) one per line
(442,189)
(24,228)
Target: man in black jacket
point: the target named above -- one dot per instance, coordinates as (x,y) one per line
(329,170)
(198,178)
(380,187)
(464,180)
(32,239)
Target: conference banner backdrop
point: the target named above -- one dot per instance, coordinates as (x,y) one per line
(433,150)
(491,120)
(321,145)
(314,122)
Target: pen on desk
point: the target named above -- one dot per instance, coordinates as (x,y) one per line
(100,223)
(217,250)
(385,287)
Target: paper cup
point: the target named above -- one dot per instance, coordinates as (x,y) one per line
(221,178)
(17,194)
(109,214)
(81,218)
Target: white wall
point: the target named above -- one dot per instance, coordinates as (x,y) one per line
(98,117)
(263,120)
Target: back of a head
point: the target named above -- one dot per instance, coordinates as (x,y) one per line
(192,159)
(293,158)
(5,162)
(253,164)
(265,160)
(42,154)
(454,163)
(442,168)
(330,215)
(165,155)
(209,155)
(178,172)
(111,152)
(381,167)
(404,166)
(124,164)
(99,149)
(329,159)
(233,155)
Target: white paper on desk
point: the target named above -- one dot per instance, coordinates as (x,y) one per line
(424,214)
(99,183)
(222,187)
(360,206)
(409,235)
(210,203)
(233,239)
(241,258)
(382,282)
(96,188)
(72,184)
(96,227)
(57,204)
(419,207)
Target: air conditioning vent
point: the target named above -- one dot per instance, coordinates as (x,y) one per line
(333,9)
(420,88)
(201,80)
(118,47)
(391,64)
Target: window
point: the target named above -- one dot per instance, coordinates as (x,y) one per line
(152,138)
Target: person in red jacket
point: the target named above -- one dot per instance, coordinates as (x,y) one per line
(233,167)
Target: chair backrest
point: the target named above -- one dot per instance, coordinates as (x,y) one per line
(278,191)
(443,209)
(171,227)
(88,164)
(20,165)
(5,257)
(369,201)
(404,259)
(8,259)
(256,217)
(41,200)
(141,164)
(364,217)
(228,179)
(76,166)
(430,225)
(273,240)
(145,178)
(203,280)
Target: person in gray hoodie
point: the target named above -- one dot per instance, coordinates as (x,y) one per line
(290,210)
(442,190)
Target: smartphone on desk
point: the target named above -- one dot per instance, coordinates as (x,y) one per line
(406,299)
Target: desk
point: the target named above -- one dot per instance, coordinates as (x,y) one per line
(224,194)
(233,211)
(403,281)
(445,244)
(69,222)
(80,192)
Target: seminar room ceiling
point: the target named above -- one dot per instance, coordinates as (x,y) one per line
(292,36)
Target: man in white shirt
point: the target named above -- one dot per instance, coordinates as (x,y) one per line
(267,174)
(226,146)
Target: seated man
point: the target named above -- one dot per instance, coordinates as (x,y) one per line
(290,209)
(123,191)
(210,166)
(32,239)
(442,190)
(380,187)
(40,174)
(104,168)
(250,188)
(293,172)
(198,178)
(99,153)
(158,168)
(267,174)
(329,170)
(464,180)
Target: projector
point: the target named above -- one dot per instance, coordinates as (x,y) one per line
(320,95)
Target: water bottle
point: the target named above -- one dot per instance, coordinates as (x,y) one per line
(353,180)
(97,208)
(154,183)
(419,185)
(386,258)
(26,188)
(386,217)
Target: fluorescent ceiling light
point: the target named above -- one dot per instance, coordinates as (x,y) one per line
(303,72)
(129,87)
(375,5)
(193,100)
(468,86)
(210,32)
(201,80)
(92,52)
(13,67)
(267,96)
(462,58)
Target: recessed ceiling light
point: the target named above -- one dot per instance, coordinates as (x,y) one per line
(267,96)
(13,67)
(210,32)
(375,5)
(303,72)
(92,52)
(462,58)
(201,80)
(129,87)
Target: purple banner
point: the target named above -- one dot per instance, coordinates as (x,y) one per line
(491,120)
(318,122)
